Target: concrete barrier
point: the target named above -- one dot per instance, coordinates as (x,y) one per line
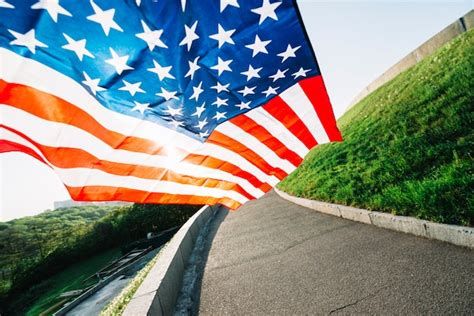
(457,235)
(354,214)
(400,223)
(159,291)
(452,31)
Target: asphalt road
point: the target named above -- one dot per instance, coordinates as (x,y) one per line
(275,257)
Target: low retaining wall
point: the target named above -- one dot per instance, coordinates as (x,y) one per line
(159,291)
(452,31)
(457,235)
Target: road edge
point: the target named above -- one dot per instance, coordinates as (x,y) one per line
(453,234)
(159,290)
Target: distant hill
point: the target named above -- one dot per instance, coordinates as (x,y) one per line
(71,203)
(34,248)
(408,146)
(37,236)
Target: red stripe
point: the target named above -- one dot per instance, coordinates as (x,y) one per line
(222,140)
(285,114)
(76,158)
(265,137)
(316,92)
(54,109)
(105,193)
(215,163)
(8,146)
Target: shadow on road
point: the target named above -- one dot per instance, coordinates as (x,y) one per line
(190,294)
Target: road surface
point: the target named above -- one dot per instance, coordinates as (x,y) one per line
(275,257)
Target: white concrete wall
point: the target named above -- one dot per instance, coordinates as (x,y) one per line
(452,31)
(159,291)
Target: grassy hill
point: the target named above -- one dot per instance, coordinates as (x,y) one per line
(408,146)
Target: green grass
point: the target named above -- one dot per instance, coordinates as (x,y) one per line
(407,147)
(69,279)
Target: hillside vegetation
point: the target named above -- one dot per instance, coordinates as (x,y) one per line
(29,239)
(33,250)
(408,146)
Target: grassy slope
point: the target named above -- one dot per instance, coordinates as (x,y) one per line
(407,147)
(70,279)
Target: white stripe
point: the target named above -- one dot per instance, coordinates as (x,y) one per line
(79,177)
(213,150)
(278,130)
(17,69)
(54,134)
(10,136)
(233,131)
(299,102)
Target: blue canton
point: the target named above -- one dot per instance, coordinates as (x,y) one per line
(189,65)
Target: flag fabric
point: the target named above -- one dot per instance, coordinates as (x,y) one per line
(161,101)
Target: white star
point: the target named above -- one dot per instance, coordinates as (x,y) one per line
(258,46)
(267,10)
(220,102)
(183,4)
(222,65)
(225,3)
(251,73)
(243,105)
(104,18)
(220,115)
(246,90)
(162,72)
(190,35)
(204,134)
(199,110)
(196,92)
(193,66)
(53,8)
(219,87)
(223,36)
(142,107)
(152,38)
(119,62)
(176,124)
(132,88)
(270,91)
(279,74)
(290,52)
(301,73)
(167,94)
(174,112)
(78,47)
(93,84)
(201,124)
(5,4)
(28,40)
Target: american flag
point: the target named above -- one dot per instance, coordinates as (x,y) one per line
(161,101)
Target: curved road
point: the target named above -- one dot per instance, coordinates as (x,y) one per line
(275,257)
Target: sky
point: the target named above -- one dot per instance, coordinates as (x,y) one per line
(355,41)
